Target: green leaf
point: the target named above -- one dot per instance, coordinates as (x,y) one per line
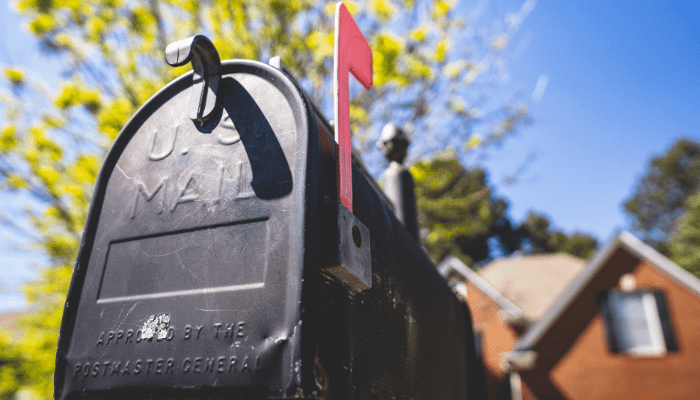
(8,139)
(73,94)
(112,119)
(386,50)
(383,9)
(15,76)
(42,24)
(441,50)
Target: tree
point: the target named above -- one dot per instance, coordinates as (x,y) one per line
(684,247)
(11,367)
(433,69)
(660,196)
(459,215)
(457,211)
(538,238)
(29,363)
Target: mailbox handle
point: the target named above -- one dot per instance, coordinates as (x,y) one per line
(207,72)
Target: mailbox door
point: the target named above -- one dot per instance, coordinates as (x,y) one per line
(190,269)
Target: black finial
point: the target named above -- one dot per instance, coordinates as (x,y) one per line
(394,143)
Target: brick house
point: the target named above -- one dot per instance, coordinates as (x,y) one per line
(626,325)
(505,298)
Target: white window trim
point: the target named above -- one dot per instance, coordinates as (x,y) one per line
(657,347)
(516,386)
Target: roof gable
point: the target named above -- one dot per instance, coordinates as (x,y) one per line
(623,240)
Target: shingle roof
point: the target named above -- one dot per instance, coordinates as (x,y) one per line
(532,283)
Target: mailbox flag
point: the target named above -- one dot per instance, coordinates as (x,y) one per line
(351,54)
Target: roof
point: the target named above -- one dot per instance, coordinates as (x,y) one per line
(532,283)
(622,240)
(454,264)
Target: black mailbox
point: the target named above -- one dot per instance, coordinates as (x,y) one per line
(208,266)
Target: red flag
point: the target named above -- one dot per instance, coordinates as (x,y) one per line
(351,54)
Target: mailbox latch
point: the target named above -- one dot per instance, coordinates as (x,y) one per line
(207,73)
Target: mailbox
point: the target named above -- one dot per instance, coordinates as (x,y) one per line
(210,264)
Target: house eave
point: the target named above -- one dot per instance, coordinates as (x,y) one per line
(511,313)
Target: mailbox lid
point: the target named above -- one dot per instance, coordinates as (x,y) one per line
(190,269)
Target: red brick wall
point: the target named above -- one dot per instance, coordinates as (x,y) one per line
(496,338)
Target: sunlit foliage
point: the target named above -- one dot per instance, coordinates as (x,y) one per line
(457,210)
(659,198)
(684,248)
(538,236)
(460,215)
(435,67)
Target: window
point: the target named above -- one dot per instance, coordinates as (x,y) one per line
(478,345)
(637,323)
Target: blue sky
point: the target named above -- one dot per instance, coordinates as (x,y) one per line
(623,85)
